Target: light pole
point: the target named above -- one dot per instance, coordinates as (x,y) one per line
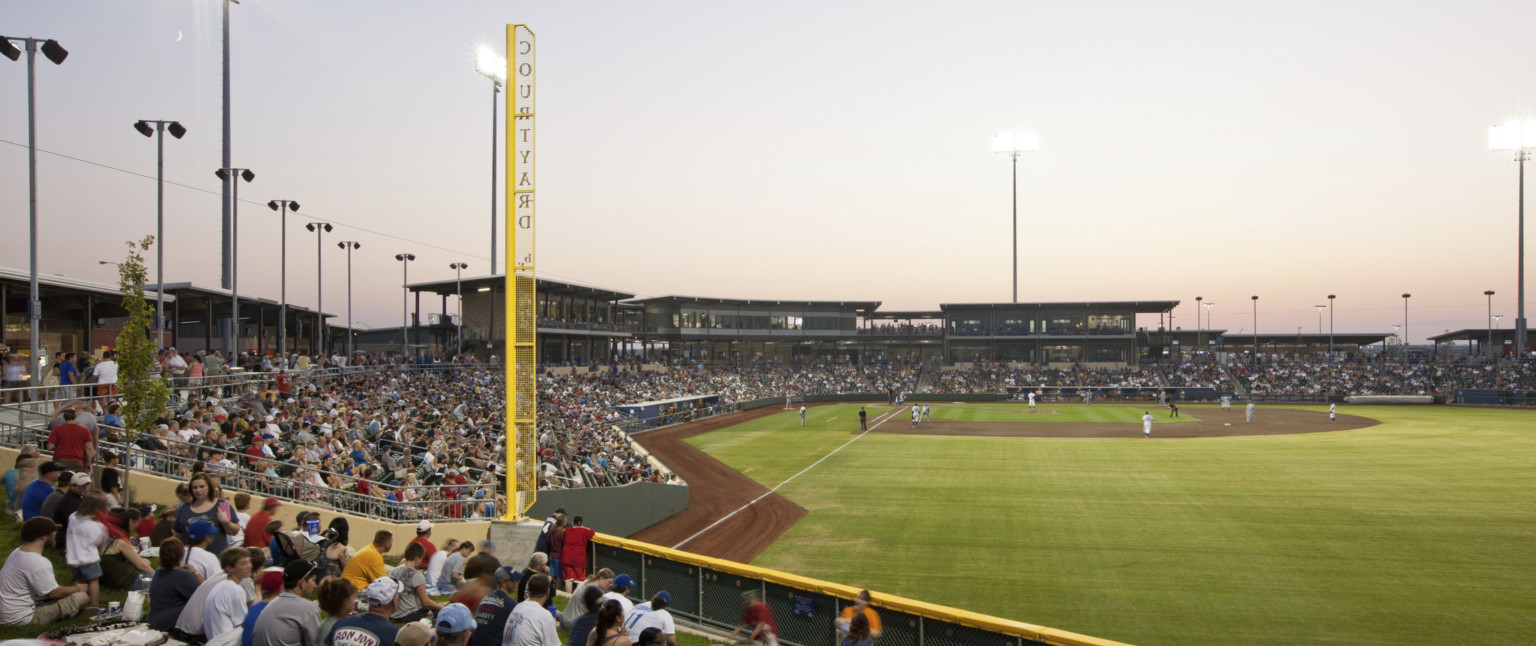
(1330,326)
(282,319)
(1013,143)
(320,229)
(55,53)
(1405,325)
(458,280)
(1489,294)
(229,192)
(349,246)
(1320,309)
(405,298)
(1520,137)
(1198,346)
(1207,305)
(228,175)
(1255,329)
(495,68)
(178,132)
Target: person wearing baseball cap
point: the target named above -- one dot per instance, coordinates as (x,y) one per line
(491,615)
(653,615)
(455,625)
(200,535)
(33,596)
(371,628)
(290,619)
(424,538)
(415,633)
(620,592)
(79,486)
(256,528)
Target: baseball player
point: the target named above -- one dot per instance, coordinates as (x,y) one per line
(926,417)
(1333,411)
(916,413)
(802,416)
(1226,403)
(863,419)
(1250,413)
(1031,401)
(1173,409)
(1146,424)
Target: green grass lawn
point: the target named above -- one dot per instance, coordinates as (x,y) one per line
(1419,530)
(1019,412)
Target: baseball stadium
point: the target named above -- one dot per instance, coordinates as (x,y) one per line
(531,460)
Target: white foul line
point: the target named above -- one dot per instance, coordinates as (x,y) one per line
(878,421)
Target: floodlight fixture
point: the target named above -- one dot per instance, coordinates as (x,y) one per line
(1512,135)
(144,128)
(9,48)
(244,173)
(492,65)
(176,129)
(1016,142)
(54,51)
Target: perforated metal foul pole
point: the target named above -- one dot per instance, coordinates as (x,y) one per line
(522,403)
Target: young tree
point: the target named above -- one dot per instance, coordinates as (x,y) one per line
(144,391)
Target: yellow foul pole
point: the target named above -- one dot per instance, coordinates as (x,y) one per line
(522,403)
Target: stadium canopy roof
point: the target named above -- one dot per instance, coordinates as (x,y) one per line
(893,315)
(1500,335)
(1147,307)
(857,306)
(11,274)
(553,287)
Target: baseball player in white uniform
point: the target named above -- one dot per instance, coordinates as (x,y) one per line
(926,417)
(1146,424)
(1226,403)
(916,413)
(802,416)
(1250,413)
(1333,411)
(1031,401)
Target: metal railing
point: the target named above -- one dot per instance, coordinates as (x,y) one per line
(633,424)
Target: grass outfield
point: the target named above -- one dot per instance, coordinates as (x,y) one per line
(1019,412)
(1419,530)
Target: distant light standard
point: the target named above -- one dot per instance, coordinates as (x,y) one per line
(349,246)
(1405,324)
(405,298)
(225,175)
(1255,328)
(1397,327)
(1013,143)
(1320,309)
(1207,305)
(320,229)
(458,280)
(55,53)
(282,320)
(1330,326)
(495,68)
(1520,137)
(178,132)
(1197,325)
(1489,294)
(1497,319)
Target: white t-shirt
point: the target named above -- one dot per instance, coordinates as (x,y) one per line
(191,619)
(530,625)
(83,541)
(177,365)
(225,609)
(239,537)
(24,581)
(642,617)
(204,562)
(435,566)
(106,372)
(623,601)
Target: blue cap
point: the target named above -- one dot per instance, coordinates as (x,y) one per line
(623,581)
(200,530)
(664,597)
(455,618)
(508,573)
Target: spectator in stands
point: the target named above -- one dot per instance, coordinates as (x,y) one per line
(208,505)
(72,444)
(479,579)
(68,503)
(600,580)
(368,565)
(414,602)
(573,557)
(225,605)
(858,632)
(424,539)
(371,628)
(608,626)
(531,624)
(29,593)
(860,606)
(270,582)
(256,528)
(452,576)
(165,527)
(455,626)
(338,599)
(435,565)
(39,490)
(491,615)
(538,563)
(173,585)
(653,615)
(649,637)
(591,598)
(757,620)
(291,619)
(620,592)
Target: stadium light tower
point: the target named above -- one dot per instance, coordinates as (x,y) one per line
(1320,309)
(458,273)
(320,229)
(229,176)
(1520,137)
(1013,143)
(1197,324)
(1255,329)
(55,53)
(282,318)
(405,299)
(494,67)
(1489,294)
(349,245)
(1330,326)
(1405,324)
(178,132)
(1207,305)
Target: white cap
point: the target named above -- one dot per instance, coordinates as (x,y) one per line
(424,526)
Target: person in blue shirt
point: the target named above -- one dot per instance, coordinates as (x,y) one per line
(371,628)
(68,374)
(39,490)
(271,582)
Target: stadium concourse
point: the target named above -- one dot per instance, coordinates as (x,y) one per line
(426,439)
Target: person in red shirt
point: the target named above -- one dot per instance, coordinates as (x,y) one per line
(757,620)
(424,538)
(254,452)
(573,555)
(146,523)
(256,529)
(72,442)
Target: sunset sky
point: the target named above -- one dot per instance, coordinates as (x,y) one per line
(810,150)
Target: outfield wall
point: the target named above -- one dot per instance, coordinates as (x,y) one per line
(708,591)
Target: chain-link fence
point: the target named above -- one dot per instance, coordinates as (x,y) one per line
(710,592)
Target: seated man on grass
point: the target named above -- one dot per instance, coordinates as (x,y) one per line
(29,593)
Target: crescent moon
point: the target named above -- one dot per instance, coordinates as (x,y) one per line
(178,35)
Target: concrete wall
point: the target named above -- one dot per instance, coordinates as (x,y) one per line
(620,511)
(146,489)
